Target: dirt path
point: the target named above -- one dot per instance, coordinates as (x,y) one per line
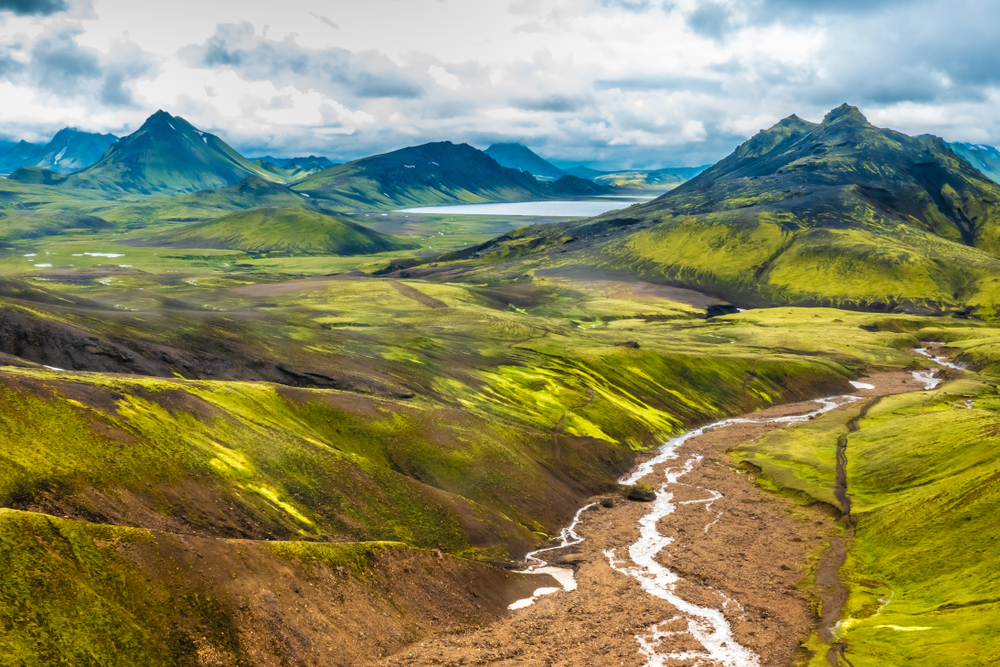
(735,548)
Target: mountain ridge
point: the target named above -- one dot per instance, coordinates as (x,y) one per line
(166,155)
(833,213)
(436,173)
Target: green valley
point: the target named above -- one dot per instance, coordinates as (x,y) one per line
(255,414)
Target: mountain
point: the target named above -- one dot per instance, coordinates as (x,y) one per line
(585,172)
(314,162)
(292,169)
(835,213)
(19,155)
(520,157)
(69,150)
(166,155)
(638,179)
(251,192)
(984,158)
(434,174)
(287,229)
(649,179)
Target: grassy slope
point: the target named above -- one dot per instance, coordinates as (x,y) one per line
(292,229)
(476,370)
(470,464)
(922,477)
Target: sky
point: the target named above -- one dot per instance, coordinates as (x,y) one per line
(607,83)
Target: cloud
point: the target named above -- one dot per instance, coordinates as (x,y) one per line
(711,19)
(552,103)
(56,65)
(33,7)
(325,21)
(332,70)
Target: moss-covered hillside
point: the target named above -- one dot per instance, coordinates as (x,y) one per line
(839,213)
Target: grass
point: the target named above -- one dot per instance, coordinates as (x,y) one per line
(923,480)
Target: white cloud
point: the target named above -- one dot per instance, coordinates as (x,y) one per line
(617,82)
(444,78)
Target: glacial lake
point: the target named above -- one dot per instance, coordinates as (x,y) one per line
(555,209)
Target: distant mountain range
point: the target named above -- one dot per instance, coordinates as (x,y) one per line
(836,213)
(168,155)
(68,151)
(520,157)
(435,174)
(984,158)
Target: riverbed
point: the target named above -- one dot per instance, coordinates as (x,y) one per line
(714,581)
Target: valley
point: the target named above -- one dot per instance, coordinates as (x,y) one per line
(258,416)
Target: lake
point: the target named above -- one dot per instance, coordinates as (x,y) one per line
(555,209)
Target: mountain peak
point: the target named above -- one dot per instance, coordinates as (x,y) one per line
(845,113)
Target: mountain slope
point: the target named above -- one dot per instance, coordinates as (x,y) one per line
(984,158)
(166,155)
(298,229)
(522,158)
(434,174)
(838,213)
(69,150)
(19,155)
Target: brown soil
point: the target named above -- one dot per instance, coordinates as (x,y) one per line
(289,612)
(750,563)
(621,284)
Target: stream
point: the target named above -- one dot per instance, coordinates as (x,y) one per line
(706,625)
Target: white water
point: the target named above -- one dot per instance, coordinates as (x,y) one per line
(940,361)
(567,537)
(706,625)
(927,377)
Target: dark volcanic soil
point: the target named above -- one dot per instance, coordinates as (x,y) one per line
(749,563)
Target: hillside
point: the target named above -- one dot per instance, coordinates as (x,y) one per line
(434,174)
(839,213)
(166,155)
(522,158)
(286,229)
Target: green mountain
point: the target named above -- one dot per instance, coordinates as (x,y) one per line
(296,228)
(292,169)
(251,192)
(520,157)
(839,213)
(166,155)
(434,174)
(984,158)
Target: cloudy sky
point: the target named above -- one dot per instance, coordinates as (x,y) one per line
(612,83)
